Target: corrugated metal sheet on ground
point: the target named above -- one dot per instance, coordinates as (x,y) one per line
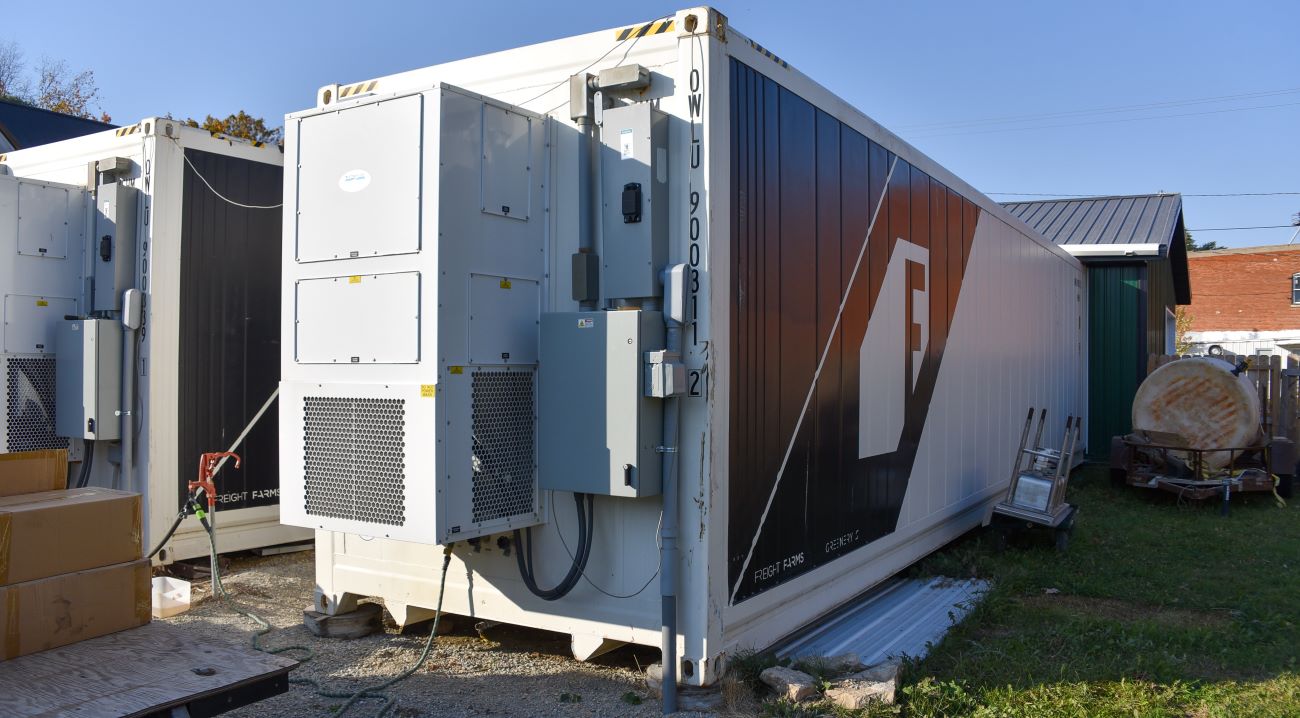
(902,617)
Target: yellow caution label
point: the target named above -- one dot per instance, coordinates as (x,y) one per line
(124,131)
(456,369)
(358,88)
(428,390)
(505,283)
(768,54)
(42,303)
(657,27)
(354,279)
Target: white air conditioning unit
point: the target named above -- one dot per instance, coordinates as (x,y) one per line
(413,261)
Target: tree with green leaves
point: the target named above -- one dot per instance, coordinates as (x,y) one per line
(1192,246)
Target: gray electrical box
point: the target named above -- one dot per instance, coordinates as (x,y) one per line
(88,379)
(634,192)
(113,248)
(598,432)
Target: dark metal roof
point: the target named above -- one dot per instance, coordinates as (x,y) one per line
(1134,219)
(1120,220)
(26,126)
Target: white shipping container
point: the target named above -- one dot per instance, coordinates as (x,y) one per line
(863,335)
(209,343)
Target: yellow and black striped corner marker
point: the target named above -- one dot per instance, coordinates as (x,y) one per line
(766,53)
(656,27)
(131,130)
(357,89)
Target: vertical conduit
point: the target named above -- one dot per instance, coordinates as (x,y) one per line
(668,530)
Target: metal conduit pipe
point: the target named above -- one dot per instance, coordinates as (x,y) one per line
(668,530)
(132,307)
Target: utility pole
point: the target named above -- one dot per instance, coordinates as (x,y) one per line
(1295,222)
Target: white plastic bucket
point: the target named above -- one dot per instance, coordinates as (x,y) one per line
(170,596)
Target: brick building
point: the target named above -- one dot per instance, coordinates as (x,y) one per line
(1247,300)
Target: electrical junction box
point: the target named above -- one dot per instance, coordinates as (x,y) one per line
(598,431)
(634,191)
(88,379)
(114,244)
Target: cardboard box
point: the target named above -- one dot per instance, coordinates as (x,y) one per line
(26,472)
(56,532)
(56,611)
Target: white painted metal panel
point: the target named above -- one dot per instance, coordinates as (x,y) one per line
(507,162)
(43,220)
(30,322)
(358,319)
(359,181)
(503,319)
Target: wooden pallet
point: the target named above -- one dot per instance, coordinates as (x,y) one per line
(144,671)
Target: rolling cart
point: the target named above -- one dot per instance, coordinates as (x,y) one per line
(1036,497)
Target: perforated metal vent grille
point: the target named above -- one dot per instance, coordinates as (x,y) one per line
(354,455)
(29,404)
(504,459)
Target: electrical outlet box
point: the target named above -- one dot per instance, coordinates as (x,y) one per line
(598,432)
(88,379)
(634,191)
(113,248)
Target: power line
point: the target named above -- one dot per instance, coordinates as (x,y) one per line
(1096,111)
(1226,229)
(1106,122)
(1066,195)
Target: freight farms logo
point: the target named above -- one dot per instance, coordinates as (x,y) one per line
(889,358)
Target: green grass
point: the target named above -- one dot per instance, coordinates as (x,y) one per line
(1163,610)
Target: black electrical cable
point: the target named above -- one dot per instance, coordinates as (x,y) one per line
(84,477)
(191,506)
(524,552)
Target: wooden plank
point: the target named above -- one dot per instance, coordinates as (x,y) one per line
(131,673)
(1287,410)
(1276,421)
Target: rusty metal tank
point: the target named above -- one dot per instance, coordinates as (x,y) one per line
(1203,401)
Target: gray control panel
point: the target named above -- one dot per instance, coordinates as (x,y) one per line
(634,192)
(88,379)
(598,432)
(113,248)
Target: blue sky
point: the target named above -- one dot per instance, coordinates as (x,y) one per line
(907,64)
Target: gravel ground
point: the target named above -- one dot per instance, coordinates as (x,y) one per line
(516,672)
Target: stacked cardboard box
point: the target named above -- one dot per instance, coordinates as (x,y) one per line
(70,559)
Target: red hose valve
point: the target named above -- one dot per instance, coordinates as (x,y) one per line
(207,469)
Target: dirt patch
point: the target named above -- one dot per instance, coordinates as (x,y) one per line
(1127,612)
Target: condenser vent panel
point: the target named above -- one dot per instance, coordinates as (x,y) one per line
(504,459)
(29,404)
(358,319)
(354,453)
(359,181)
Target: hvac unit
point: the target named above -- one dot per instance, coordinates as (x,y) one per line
(412,277)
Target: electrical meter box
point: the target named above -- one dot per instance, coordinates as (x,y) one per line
(114,245)
(88,379)
(598,432)
(634,188)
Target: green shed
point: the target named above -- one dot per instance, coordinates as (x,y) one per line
(1136,265)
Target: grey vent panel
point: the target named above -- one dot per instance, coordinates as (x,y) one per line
(504,458)
(29,404)
(354,459)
